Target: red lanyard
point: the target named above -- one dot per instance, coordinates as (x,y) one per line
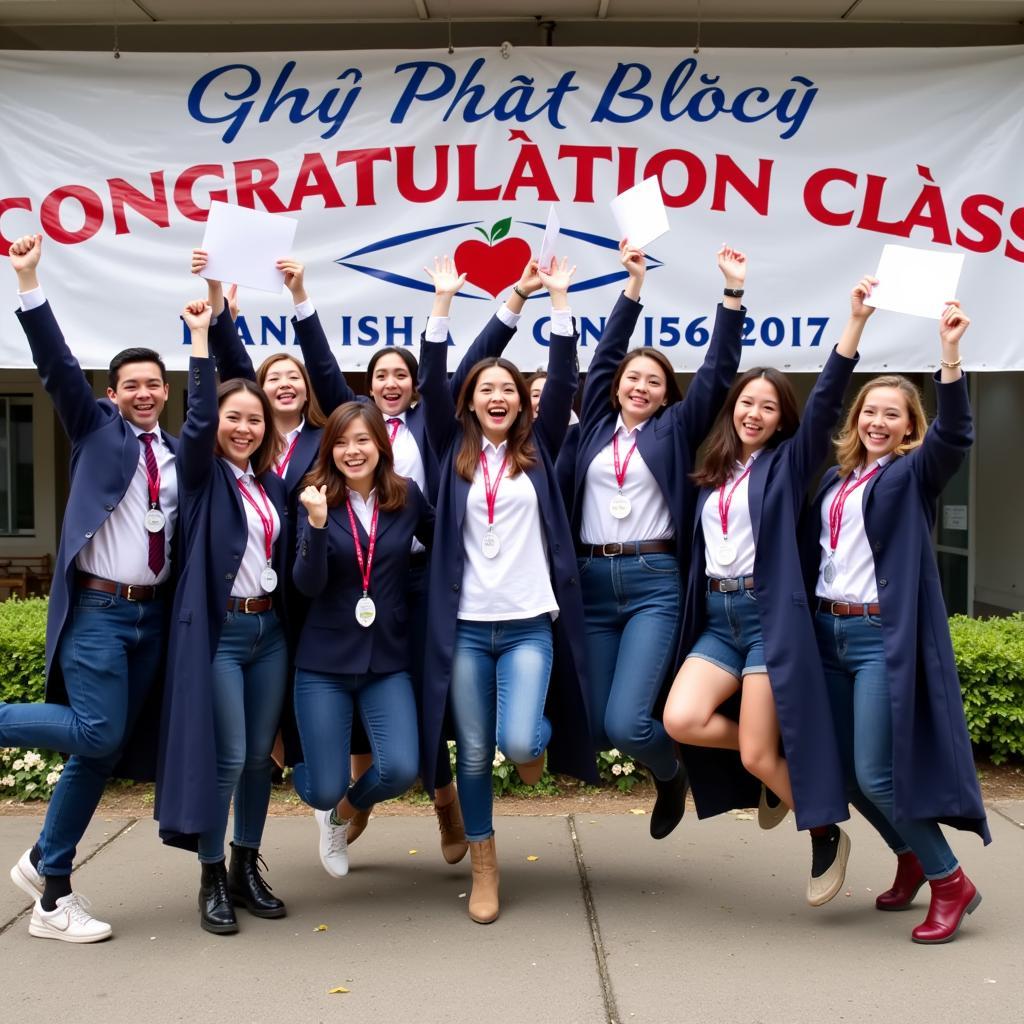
(396,425)
(282,467)
(367,567)
(491,493)
(267,520)
(725,503)
(152,476)
(620,471)
(835,510)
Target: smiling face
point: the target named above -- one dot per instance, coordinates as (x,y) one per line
(642,390)
(535,389)
(356,455)
(756,415)
(495,402)
(391,386)
(140,394)
(286,388)
(241,428)
(884,422)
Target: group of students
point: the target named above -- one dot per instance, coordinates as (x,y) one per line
(361,580)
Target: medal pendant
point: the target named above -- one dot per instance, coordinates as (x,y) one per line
(619,506)
(491,545)
(726,553)
(366,612)
(830,571)
(154,520)
(268,579)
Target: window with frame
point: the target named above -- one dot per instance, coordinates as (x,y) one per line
(17,489)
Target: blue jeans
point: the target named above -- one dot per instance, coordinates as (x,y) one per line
(500,676)
(110,653)
(324,708)
(249,681)
(732,637)
(632,607)
(854,661)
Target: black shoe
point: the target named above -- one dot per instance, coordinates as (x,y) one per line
(671,803)
(247,887)
(216,914)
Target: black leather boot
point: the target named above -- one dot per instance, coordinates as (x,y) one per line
(216,914)
(246,885)
(670,804)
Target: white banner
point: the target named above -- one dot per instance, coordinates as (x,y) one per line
(809,160)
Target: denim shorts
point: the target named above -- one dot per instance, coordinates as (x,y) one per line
(732,635)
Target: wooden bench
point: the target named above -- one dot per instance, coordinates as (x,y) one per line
(25,575)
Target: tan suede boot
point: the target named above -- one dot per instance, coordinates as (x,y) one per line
(483,899)
(453,832)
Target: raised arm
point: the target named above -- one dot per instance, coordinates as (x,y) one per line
(438,397)
(62,377)
(563,367)
(310,569)
(226,346)
(329,384)
(615,337)
(196,448)
(695,414)
(951,434)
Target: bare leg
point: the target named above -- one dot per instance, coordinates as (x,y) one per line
(759,737)
(691,711)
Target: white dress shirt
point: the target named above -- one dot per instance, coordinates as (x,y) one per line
(254,561)
(741,529)
(516,584)
(649,517)
(408,460)
(853,559)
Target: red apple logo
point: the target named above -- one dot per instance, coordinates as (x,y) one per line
(493,267)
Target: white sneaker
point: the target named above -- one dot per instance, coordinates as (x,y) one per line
(333,844)
(26,878)
(70,922)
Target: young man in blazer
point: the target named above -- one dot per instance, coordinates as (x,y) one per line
(105,624)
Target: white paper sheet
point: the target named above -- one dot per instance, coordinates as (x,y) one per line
(549,242)
(243,245)
(640,213)
(916,281)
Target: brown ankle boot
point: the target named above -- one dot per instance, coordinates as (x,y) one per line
(453,832)
(483,899)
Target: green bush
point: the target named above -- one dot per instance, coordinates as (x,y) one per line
(23,649)
(990,661)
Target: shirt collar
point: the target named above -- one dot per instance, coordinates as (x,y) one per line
(397,416)
(292,434)
(620,424)
(498,450)
(138,431)
(239,473)
(883,461)
(357,499)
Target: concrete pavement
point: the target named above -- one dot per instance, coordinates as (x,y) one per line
(605,925)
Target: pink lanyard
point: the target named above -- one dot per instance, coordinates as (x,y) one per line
(724,503)
(491,493)
(620,470)
(396,425)
(267,520)
(364,568)
(282,467)
(835,510)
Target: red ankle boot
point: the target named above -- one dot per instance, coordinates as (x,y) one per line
(906,885)
(952,897)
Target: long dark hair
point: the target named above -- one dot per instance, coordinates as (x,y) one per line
(722,447)
(263,458)
(520,449)
(672,392)
(391,488)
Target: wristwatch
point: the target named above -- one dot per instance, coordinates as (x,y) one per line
(734,293)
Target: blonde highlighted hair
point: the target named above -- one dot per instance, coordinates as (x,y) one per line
(850,451)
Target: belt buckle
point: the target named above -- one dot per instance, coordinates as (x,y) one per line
(129,594)
(728,586)
(841,608)
(609,550)
(245,604)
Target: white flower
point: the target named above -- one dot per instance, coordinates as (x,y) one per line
(59,767)
(33,759)
(53,778)
(18,765)
(29,786)
(614,753)
(616,769)
(627,768)
(7,780)
(499,758)
(451,744)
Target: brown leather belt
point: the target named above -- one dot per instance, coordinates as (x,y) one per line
(628,547)
(730,586)
(250,605)
(842,608)
(129,591)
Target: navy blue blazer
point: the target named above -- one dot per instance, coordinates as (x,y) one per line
(933,773)
(570,750)
(333,390)
(777,491)
(327,572)
(104,458)
(214,534)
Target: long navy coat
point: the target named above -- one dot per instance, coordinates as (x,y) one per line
(570,750)
(933,766)
(214,534)
(104,458)
(777,492)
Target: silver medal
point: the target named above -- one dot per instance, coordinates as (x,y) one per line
(366,611)
(268,579)
(830,571)
(620,506)
(491,545)
(154,520)
(726,553)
